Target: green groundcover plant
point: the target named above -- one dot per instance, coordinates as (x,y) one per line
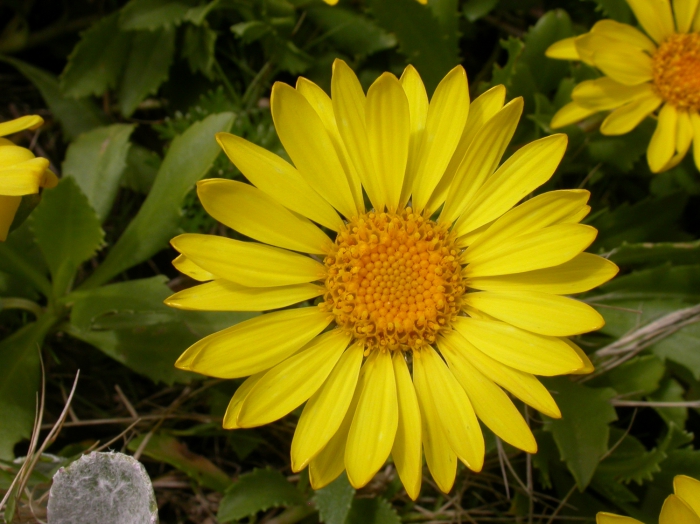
(117,106)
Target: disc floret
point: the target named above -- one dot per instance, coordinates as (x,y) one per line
(676,71)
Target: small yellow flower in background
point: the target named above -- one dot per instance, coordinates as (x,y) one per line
(681,508)
(642,73)
(21,173)
(421,324)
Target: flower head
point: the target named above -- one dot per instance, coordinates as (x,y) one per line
(643,73)
(429,302)
(21,173)
(683,507)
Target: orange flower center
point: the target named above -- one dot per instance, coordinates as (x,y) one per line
(676,71)
(393,280)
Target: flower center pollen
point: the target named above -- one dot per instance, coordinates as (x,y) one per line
(393,280)
(676,71)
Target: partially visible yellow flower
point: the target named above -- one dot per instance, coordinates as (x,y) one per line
(642,74)
(423,320)
(21,173)
(681,508)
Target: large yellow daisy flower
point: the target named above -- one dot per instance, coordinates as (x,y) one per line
(21,173)
(642,73)
(681,508)
(471,300)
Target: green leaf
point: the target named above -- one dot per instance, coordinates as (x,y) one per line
(198,14)
(648,253)
(96,161)
(189,158)
(251,30)
(75,116)
(146,68)
(198,49)
(259,490)
(514,75)
(351,32)
(96,62)
(153,14)
(420,37)
(616,9)
(334,501)
(634,378)
(670,390)
(67,231)
(582,432)
(679,462)
(165,448)
(446,12)
(21,258)
(631,462)
(372,511)
(475,9)
(142,167)
(622,151)
(19,382)
(612,489)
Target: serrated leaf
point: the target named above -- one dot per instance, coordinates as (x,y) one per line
(475,9)
(334,501)
(259,490)
(153,14)
(75,116)
(146,68)
(67,231)
(351,32)
(670,390)
(189,158)
(616,9)
(165,448)
(372,511)
(515,76)
(420,37)
(198,14)
(582,432)
(631,462)
(649,253)
(96,62)
(96,161)
(198,49)
(612,489)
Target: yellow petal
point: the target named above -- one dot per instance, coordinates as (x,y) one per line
(663,141)
(605,93)
(490,403)
(530,167)
(388,132)
(11,155)
(522,385)
(50,180)
(514,347)
(675,511)
(321,102)
(610,518)
(20,124)
(547,247)
(624,119)
(406,452)
(571,113)
(684,11)
(482,158)
(481,111)
(695,123)
(563,50)
(290,383)
(532,215)
(254,345)
(418,109)
(538,312)
(655,17)
(325,467)
(8,207)
(442,461)
(325,410)
(349,107)
(278,179)
(375,422)
(307,143)
(625,64)
(252,212)
(192,270)
(624,33)
(447,115)
(582,273)
(456,413)
(688,490)
(684,136)
(588,366)
(222,295)
(234,407)
(24,178)
(248,263)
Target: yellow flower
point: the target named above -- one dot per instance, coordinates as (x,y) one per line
(471,300)
(642,73)
(681,508)
(20,172)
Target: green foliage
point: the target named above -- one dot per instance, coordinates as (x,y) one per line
(372,511)
(334,501)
